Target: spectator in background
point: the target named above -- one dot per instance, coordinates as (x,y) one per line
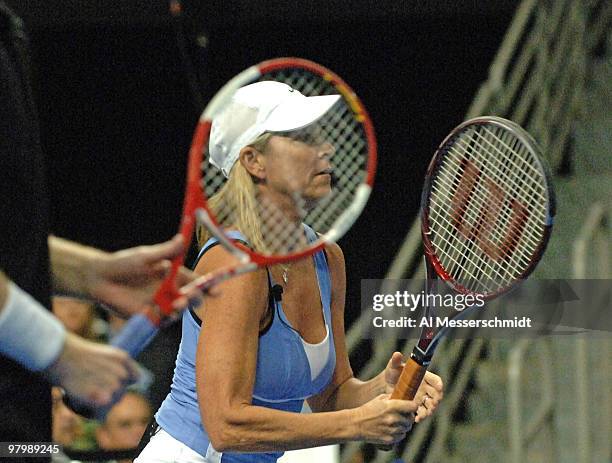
(125,423)
(67,425)
(78,316)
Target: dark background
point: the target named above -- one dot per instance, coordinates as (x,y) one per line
(117,113)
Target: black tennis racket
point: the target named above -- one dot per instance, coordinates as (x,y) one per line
(487,211)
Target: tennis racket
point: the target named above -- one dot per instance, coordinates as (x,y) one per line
(487,211)
(343,135)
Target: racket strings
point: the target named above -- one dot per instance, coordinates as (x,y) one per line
(483,237)
(461,264)
(271,229)
(510,154)
(498,206)
(471,213)
(341,128)
(525,184)
(505,213)
(506,179)
(348,164)
(282,232)
(279,229)
(518,178)
(469,267)
(483,230)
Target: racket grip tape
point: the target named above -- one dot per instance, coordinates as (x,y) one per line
(407,386)
(409,381)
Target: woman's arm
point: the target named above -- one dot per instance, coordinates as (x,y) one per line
(3,290)
(225,375)
(346,391)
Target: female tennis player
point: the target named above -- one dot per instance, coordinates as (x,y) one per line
(274,337)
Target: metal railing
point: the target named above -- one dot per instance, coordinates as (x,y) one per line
(595,236)
(591,258)
(537,79)
(523,429)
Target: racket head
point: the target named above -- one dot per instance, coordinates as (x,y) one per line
(345,126)
(487,207)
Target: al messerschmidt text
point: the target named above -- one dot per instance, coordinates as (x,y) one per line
(447,322)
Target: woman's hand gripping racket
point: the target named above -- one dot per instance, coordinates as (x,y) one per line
(343,136)
(487,210)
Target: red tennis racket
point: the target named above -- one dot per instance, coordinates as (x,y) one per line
(344,134)
(487,211)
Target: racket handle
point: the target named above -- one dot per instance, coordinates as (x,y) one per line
(86,411)
(409,381)
(137,333)
(407,386)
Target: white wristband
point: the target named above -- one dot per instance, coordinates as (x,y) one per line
(29,333)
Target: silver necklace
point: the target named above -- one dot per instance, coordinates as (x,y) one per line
(286,269)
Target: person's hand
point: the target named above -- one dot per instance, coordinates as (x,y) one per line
(429,394)
(127,279)
(383,421)
(393,370)
(93,374)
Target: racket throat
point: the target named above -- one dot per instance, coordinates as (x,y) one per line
(421,357)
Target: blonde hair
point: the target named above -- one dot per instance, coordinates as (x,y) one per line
(235,204)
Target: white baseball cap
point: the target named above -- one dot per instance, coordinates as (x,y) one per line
(266,106)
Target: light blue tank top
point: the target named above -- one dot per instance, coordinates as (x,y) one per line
(283,377)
